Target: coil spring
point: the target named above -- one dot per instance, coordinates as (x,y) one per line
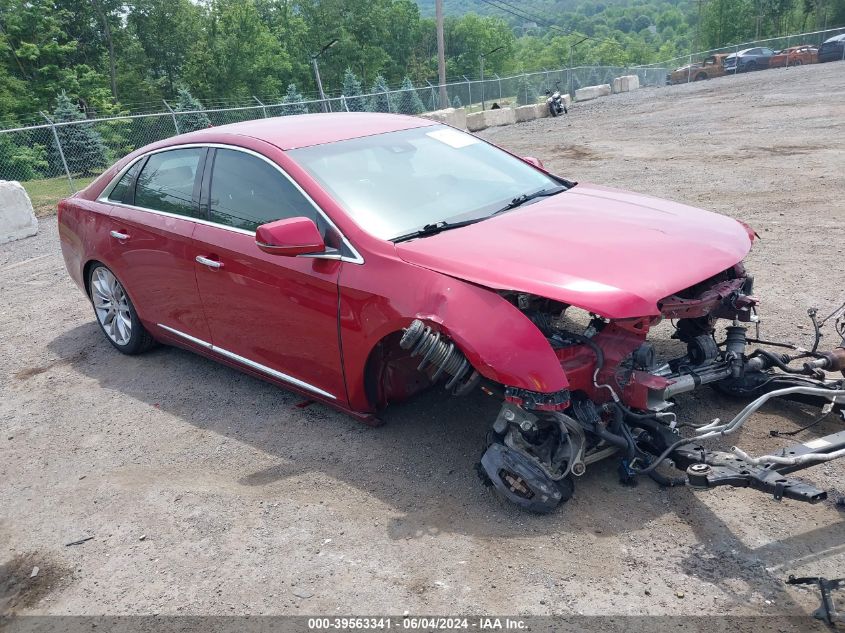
(439,352)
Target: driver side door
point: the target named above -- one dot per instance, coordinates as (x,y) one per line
(274,314)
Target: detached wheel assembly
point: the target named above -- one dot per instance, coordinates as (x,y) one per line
(518,479)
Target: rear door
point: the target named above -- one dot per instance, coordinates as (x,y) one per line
(152,220)
(277,315)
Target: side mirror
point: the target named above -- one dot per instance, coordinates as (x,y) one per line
(534,161)
(290,237)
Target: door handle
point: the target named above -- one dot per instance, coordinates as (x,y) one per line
(118,235)
(211,263)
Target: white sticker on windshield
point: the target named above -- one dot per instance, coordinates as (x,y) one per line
(453,138)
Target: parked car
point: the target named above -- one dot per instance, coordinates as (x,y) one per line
(832,49)
(712,66)
(748,60)
(359,258)
(795,56)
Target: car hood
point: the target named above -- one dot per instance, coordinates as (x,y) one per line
(608,251)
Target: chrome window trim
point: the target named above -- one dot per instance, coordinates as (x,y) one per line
(249,363)
(104,197)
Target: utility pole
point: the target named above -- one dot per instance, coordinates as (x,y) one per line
(441,54)
(481,57)
(317,79)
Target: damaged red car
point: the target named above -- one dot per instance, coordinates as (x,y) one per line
(362,258)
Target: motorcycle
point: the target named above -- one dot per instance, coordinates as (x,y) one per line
(556,102)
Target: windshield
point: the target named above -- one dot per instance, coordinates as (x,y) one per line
(393,184)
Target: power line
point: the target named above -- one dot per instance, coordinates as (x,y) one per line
(525,15)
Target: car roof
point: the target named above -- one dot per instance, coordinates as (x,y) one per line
(836,38)
(304,130)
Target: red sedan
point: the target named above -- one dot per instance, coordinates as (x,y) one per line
(360,258)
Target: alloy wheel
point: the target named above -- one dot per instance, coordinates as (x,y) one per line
(111,306)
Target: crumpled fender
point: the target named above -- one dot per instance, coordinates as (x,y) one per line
(499,340)
(502,344)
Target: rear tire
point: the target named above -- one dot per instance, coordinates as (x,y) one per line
(116,314)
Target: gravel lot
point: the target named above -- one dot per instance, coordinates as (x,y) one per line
(210,492)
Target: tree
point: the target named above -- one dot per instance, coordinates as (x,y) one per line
(83,147)
(352,91)
(21,160)
(293,102)
(379,97)
(195,119)
(408,101)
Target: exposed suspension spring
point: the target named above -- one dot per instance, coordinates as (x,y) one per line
(440,353)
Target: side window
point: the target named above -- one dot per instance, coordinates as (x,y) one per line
(247,192)
(120,190)
(167,182)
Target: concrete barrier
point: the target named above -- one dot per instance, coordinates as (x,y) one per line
(456,117)
(542,110)
(459,119)
(626,83)
(476,122)
(525,113)
(500,116)
(17,218)
(592,92)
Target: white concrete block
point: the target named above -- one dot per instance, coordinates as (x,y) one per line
(17,217)
(458,118)
(626,83)
(476,121)
(450,116)
(500,116)
(541,110)
(592,92)
(525,113)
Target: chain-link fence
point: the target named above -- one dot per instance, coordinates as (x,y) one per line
(79,150)
(685,67)
(74,152)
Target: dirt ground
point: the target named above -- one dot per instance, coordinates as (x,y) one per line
(209,492)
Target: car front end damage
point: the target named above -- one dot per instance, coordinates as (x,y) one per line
(619,397)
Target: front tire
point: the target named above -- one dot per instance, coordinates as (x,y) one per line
(702,76)
(115,313)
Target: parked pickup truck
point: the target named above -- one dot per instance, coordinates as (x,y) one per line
(712,66)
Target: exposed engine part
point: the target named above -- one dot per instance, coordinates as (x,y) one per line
(440,355)
(644,357)
(829,361)
(688,329)
(795,460)
(715,428)
(826,612)
(702,350)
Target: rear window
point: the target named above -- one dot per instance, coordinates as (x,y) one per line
(167,182)
(121,190)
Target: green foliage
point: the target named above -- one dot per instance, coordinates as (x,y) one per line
(379,98)
(190,116)
(525,94)
(21,161)
(352,91)
(83,147)
(408,101)
(112,57)
(293,102)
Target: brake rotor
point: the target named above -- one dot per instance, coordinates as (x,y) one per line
(518,479)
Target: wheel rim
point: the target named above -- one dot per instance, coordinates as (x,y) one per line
(112,306)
